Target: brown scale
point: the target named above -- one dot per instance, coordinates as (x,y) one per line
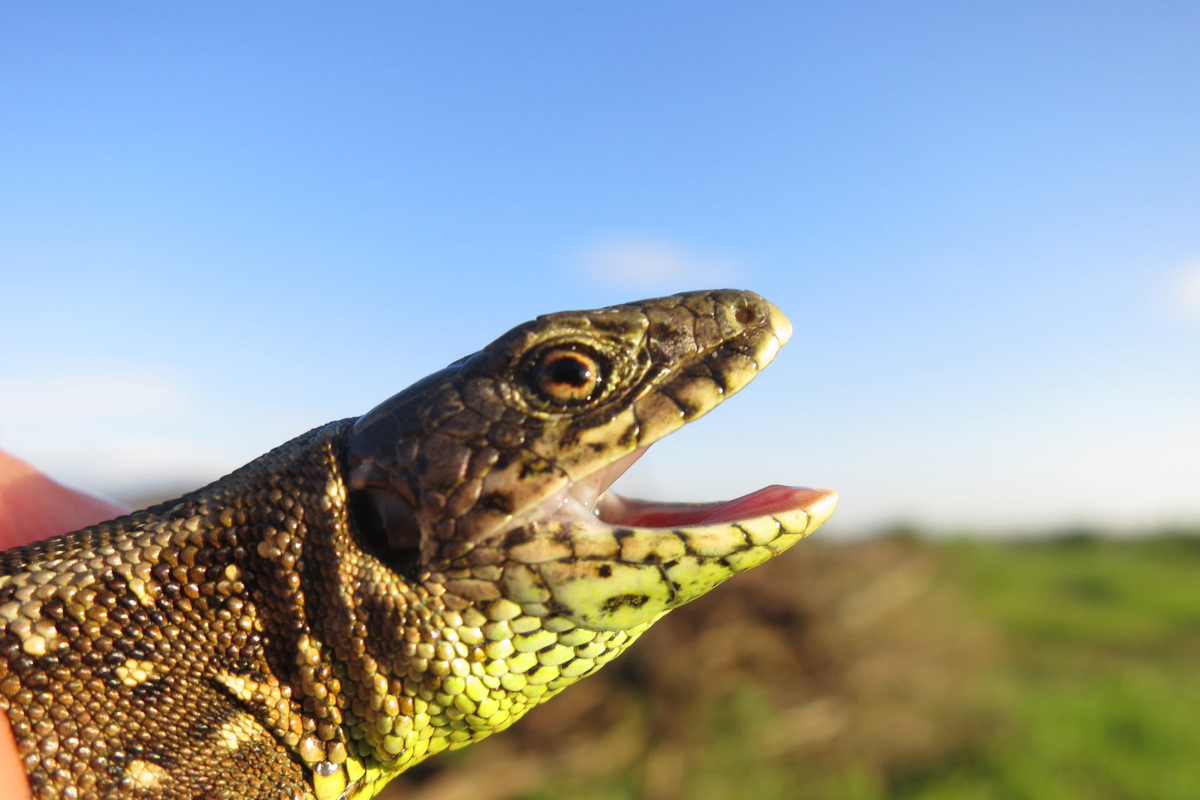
(230,643)
(136,684)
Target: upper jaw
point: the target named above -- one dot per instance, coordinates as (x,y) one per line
(678,396)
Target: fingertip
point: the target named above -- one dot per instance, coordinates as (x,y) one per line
(13,782)
(35,507)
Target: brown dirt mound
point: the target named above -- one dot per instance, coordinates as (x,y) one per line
(831,661)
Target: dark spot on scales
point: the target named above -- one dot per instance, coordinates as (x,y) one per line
(613,325)
(598,419)
(630,435)
(535,469)
(497,501)
(605,571)
(662,331)
(518,536)
(717,374)
(631,600)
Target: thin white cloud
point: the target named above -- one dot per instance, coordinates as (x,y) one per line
(126,430)
(1183,295)
(130,429)
(90,394)
(108,428)
(644,262)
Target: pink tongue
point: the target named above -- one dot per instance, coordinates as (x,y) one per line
(616,510)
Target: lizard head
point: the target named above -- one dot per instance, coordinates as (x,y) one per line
(479,496)
(509,453)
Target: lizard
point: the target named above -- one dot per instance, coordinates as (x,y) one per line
(387,587)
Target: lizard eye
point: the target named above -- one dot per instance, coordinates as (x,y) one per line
(567,376)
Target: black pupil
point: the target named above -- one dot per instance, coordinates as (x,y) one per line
(571,371)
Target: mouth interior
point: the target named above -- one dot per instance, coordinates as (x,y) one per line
(589,500)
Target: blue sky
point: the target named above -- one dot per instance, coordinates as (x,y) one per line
(221,225)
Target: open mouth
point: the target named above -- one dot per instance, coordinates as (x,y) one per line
(607,562)
(604,562)
(589,500)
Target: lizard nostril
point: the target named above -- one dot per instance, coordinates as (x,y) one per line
(745,315)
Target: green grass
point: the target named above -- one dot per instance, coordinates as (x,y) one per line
(1094,690)
(1099,679)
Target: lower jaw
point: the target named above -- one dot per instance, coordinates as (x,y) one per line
(613,509)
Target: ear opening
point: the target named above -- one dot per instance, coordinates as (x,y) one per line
(386,528)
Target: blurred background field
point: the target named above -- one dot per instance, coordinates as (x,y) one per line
(902,668)
(221,226)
